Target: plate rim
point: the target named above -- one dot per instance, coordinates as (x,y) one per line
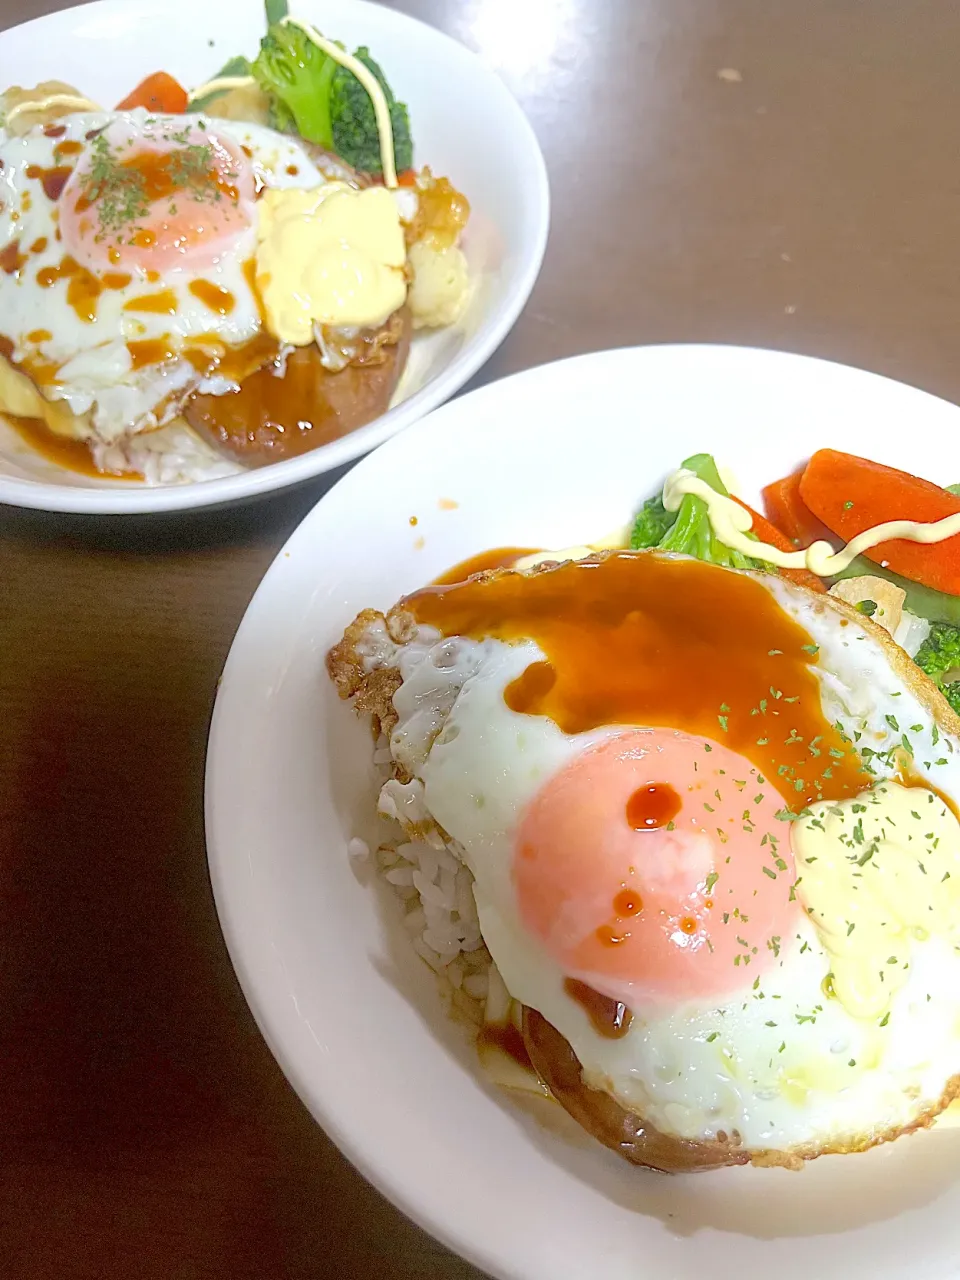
(230,697)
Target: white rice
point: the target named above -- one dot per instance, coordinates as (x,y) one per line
(174,454)
(434,889)
(358,850)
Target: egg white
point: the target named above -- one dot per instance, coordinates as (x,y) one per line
(780,1064)
(95,372)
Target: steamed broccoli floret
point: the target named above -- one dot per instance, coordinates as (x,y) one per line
(355,134)
(688,530)
(281,117)
(651,524)
(297,76)
(315,96)
(940,652)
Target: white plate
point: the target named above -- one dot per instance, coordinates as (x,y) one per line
(550,457)
(465,124)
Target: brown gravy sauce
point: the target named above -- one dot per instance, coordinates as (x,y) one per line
(163,302)
(640,639)
(67,148)
(610,1018)
(11,259)
(908,779)
(74,455)
(269,418)
(210,355)
(220,301)
(497,558)
(52,179)
(149,351)
(506,1038)
(652,807)
(84,288)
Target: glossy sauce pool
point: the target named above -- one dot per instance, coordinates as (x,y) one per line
(645,640)
(73,455)
(483,562)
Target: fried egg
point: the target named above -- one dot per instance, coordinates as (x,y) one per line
(127,278)
(636,758)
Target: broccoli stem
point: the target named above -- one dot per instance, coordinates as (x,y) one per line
(651,524)
(689,531)
(686,532)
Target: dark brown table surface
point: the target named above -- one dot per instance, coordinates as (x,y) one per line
(775,174)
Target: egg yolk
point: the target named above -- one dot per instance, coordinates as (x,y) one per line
(159,198)
(654,865)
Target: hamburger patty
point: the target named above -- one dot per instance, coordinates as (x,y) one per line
(280,412)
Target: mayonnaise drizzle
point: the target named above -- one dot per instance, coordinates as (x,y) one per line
(72,101)
(220,85)
(731,522)
(381,108)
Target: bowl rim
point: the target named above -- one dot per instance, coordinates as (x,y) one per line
(41,495)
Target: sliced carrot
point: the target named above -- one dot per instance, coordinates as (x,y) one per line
(851,495)
(769,533)
(785,509)
(159,92)
(407,178)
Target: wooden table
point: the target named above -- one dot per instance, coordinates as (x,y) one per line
(785,175)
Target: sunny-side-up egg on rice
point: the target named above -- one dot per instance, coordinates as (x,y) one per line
(709,819)
(119,312)
(241,289)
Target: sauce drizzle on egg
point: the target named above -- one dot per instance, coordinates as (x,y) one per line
(641,639)
(609,1018)
(11,259)
(65,451)
(163,302)
(52,179)
(652,806)
(497,558)
(84,288)
(507,1039)
(213,296)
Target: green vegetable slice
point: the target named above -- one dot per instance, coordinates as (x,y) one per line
(651,524)
(924,602)
(688,531)
(235,67)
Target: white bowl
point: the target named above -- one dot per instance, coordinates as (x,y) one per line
(552,457)
(465,124)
